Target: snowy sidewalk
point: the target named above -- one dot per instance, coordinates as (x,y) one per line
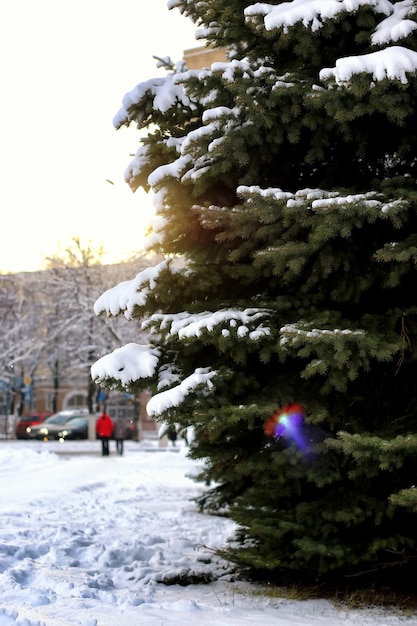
(88,540)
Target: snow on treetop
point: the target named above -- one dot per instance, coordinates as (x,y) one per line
(392,63)
(310,12)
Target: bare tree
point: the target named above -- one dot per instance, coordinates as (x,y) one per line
(75,336)
(49,330)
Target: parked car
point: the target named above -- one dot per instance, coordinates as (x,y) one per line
(75,428)
(53,424)
(30,419)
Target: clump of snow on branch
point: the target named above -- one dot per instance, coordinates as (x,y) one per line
(126,295)
(171,398)
(319,199)
(393,63)
(311,13)
(127,364)
(165,92)
(168,376)
(136,166)
(293,333)
(185,325)
(156,236)
(396,26)
(173,170)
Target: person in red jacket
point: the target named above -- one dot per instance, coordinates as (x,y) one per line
(104,430)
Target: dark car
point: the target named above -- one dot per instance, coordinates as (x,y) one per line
(53,424)
(32,418)
(75,428)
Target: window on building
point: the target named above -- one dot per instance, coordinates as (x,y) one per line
(76,401)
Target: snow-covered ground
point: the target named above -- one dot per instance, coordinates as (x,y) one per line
(88,541)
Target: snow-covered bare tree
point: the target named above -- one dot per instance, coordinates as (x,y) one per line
(73,336)
(20,340)
(50,334)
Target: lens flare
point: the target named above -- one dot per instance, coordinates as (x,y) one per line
(287,422)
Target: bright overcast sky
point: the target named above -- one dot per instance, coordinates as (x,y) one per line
(65,67)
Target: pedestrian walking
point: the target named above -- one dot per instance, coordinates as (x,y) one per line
(172,435)
(119,434)
(104,430)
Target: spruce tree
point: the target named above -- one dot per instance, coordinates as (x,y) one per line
(283,320)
